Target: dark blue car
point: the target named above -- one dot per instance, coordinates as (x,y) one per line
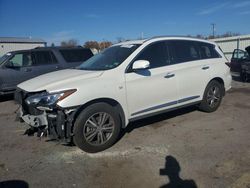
(18,66)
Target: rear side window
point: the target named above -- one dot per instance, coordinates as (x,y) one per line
(183,51)
(76,55)
(207,51)
(156,54)
(44,58)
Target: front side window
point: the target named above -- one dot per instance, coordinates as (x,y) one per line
(156,54)
(76,55)
(21,60)
(109,58)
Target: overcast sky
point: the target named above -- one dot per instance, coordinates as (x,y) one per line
(57,20)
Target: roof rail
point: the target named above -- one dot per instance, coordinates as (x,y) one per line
(48,47)
(163,36)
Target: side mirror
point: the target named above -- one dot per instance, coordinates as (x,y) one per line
(141,65)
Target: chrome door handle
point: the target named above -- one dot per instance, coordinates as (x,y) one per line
(169,75)
(205,67)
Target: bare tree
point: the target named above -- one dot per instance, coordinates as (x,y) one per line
(69,43)
(227,34)
(97,45)
(104,44)
(199,36)
(120,39)
(92,44)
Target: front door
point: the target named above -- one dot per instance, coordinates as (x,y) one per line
(17,69)
(153,89)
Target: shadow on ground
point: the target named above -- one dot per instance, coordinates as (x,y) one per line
(14,184)
(5,98)
(172,170)
(158,118)
(239,79)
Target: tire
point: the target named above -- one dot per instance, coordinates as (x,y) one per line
(212,97)
(97,128)
(243,76)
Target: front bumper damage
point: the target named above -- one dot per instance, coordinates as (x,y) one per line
(54,122)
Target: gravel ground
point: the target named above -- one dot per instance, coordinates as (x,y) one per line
(186,147)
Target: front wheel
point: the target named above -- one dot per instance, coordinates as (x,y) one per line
(212,97)
(97,128)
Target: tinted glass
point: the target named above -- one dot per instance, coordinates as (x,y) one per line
(44,58)
(4,58)
(76,55)
(207,51)
(156,54)
(54,60)
(21,60)
(109,58)
(239,54)
(183,51)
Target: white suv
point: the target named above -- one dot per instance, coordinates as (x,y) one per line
(128,81)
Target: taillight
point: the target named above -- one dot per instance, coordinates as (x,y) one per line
(228,64)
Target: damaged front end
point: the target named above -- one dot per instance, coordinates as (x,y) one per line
(41,112)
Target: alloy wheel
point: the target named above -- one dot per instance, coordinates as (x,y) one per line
(213,96)
(98,128)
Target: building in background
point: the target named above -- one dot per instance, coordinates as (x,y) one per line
(8,44)
(228,44)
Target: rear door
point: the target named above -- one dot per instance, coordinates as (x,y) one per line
(75,57)
(45,61)
(192,72)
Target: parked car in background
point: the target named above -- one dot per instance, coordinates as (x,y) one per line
(18,66)
(126,82)
(240,63)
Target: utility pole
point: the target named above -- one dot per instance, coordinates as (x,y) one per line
(142,35)
(213,29)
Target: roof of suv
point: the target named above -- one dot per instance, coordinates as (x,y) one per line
(159,38)
(49,48)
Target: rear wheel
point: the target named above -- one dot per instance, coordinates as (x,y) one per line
(97,128)
(212,97)
(243,76)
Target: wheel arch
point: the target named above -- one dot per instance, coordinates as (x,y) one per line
(221,81)
(109,101)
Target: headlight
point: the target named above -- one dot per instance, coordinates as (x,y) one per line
(48,99)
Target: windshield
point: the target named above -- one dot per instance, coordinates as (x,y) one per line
(4,58)
(109,58)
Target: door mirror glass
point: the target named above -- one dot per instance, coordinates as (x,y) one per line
(141,65)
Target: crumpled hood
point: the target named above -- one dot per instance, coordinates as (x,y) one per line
(57,79)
